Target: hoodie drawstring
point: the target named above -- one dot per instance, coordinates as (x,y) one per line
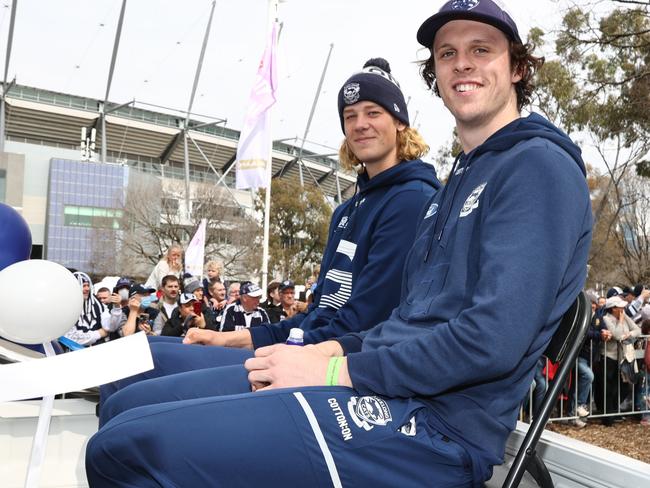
(438,228)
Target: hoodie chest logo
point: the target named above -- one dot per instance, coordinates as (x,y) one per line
(472,201)
(433,209)
(343,223)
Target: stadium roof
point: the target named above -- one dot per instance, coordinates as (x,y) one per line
(152,140)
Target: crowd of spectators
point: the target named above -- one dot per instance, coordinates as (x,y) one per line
(170,304)
(611,378)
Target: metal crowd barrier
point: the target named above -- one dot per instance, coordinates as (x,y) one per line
(613,398)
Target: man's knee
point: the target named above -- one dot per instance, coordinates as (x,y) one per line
(123,400)
(100,461)
(110,407)
(162,350)
(108,454)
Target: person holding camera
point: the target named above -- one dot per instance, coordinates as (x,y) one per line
(183,317)
(139,312)
(120,296)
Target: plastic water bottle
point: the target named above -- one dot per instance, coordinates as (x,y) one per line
(296,337)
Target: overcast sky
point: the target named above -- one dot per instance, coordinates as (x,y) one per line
(66,45)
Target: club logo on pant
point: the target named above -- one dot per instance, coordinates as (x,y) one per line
(368,411)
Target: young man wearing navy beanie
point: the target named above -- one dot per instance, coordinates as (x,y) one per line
(429,396)
(363,262)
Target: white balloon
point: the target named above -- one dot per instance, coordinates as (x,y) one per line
(39,301)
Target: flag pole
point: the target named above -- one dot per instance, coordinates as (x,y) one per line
(273,17)
(267,219)
(255,146)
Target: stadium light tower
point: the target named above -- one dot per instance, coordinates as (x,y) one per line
(102,110)
(186,125)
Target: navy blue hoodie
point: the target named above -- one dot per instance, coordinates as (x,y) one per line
(363,262)
(501,254)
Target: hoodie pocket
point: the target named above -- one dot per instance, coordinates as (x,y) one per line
(427,285)
(420,431)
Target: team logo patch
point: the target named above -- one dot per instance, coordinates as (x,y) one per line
(369,411)
(472,201)
(465,4)
(433,209)
(343,223)
(351,93)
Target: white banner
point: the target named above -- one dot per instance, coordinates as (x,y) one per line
(75,371)
(195,252)
(254,148)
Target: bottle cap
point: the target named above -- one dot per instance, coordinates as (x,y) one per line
(296,334)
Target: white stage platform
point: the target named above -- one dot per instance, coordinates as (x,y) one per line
(572,464)
(73,422)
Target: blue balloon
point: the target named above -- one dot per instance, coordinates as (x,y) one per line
(15,237)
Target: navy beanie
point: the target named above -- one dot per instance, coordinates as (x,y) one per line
(374,83)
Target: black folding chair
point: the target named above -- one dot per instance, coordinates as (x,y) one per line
(563,348)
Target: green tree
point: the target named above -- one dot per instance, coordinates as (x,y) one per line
(299,222)
(606,267)
(597,87)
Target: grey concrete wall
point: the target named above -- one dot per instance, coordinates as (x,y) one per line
(29,183)
(14,165)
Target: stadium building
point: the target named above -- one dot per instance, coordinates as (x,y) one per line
(71,181)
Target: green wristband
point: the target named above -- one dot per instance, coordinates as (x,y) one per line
(335,373)
(330,370)
(333,369)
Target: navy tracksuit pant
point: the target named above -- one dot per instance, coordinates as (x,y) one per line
(204,428)
(171,356)
(308,437)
